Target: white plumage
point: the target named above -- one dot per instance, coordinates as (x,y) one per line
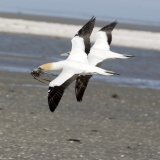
(76,64)
(99,52)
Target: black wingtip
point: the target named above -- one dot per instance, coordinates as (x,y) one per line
(129,56)
(87,28)
(80,86)
(112,73)
(54,97)
(52,110)
(109,27)
(116,73)
(92,19)
(79,100)
(78,94)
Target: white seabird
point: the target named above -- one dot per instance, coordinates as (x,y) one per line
(99,52)
(76,64)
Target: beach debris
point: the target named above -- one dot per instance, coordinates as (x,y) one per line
(74,140)
(94,130)
(129,147)
(46,129)
(115,95)
(111,118)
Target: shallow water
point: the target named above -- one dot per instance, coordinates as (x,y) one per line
(21,53)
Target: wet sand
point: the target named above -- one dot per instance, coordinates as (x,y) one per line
(111,123)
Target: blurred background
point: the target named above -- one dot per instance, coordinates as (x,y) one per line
(137,12)
(119,115)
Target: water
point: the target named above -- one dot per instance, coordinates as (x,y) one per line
(21,53)
(138,11)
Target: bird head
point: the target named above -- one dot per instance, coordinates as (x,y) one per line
(37,72)
(41,69)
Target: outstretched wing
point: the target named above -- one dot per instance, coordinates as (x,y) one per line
(93,59)
(85,33)
(81,85)
(81,43)
(57,87)
(108,29)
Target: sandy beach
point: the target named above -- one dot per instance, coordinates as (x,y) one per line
(117,120)
(112,122)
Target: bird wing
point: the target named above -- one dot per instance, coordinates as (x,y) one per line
(57,87)
(108,30)
(95,57)
(81,85)
(85,33)
(81,43)
(101,46)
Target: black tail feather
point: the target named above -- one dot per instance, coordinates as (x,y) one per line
(128,56)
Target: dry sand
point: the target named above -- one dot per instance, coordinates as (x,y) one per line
(111,123)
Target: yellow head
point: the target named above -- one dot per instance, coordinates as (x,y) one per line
(46,67)
(39,71)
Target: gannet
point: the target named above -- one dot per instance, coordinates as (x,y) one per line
(99,52)
(76,64)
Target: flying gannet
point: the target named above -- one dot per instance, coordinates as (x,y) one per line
(76,64)
(99,52)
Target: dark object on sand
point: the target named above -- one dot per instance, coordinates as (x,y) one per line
(74,140)
(111,118)
(94,130)
(114,95)
(130,147)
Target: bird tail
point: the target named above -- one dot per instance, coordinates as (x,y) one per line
(115,55)
(127,56)
(124,56)
(97,70)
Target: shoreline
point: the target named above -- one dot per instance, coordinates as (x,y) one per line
(73,21)
(122,37)
(96,80)
(24,52)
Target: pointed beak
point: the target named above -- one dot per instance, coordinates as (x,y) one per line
(65,54)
